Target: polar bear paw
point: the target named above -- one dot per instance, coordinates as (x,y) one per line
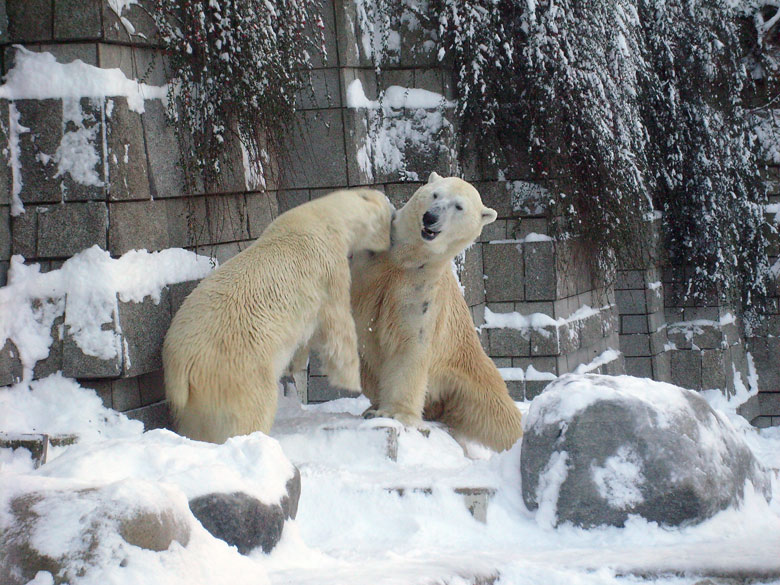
(408,420)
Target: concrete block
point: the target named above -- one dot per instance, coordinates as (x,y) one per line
(508,342)
(6,178)
(102,388)
(289,199)
(540,271)
(526,226)
(87,225)
(679,337)
(400,193)
(635,345)
(591,330)
(83,134)
(76,364)
(656,320)
(186,222)
(4,267)
(331,53)
(178,292)
(630,279)
(516,389)
(52,363)
(662,367)
(766,357)
(139,14)
(261,210)
(534,388)
(10,365)
(146,64)
(321,391)
(631,302)
(544,341)
(686,368)
(154,416)
(224,252)
(317,151)
(323,91)
(77,19)
(37,149)
(430,79)
(478,315)
(503,266)
(29,20)
(658,341)
(496,195)
(472,276)
(143,327)
(166,175)
(641,367)
(125,394)
(493,231)
(227,218)
(24,233)
(714,369)
(630,324)
(127,166)
(5,232)
(139,224)
(707,336)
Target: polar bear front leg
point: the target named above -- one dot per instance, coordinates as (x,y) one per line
(403,384)
(337,337)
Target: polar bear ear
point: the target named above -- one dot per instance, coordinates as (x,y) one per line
(434,176)
(488,215)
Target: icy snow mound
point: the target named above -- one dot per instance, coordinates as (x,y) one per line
(597,449)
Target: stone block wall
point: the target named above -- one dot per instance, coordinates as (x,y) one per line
(379,132)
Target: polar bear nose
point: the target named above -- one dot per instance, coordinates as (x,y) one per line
(430,219)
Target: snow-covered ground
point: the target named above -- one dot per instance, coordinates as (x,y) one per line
(364,517)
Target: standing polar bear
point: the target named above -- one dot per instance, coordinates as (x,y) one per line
(419,351)
(241,327)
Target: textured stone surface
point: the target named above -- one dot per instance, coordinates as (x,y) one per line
(540,271)
(37,147)
(317,155)
(139,224)
(77,19)
(87,226)
(127,168)
(245,522)
(154,531)
(143,328)
(153,416)
(165,174)
(10,364)
(670,458)
(503,265)
(29,20)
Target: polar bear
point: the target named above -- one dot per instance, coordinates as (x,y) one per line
(244,324)
(419,351)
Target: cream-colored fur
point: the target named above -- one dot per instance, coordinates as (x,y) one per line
(239,330)
(419,351)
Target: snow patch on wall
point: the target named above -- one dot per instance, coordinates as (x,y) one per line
(92,282)
(402,119)
(39,76)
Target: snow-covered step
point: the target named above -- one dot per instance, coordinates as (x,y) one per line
(476,499)
(36,443)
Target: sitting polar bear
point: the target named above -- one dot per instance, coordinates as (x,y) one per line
(418,347)
(238,331)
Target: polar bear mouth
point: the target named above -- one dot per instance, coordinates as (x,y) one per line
(428,234)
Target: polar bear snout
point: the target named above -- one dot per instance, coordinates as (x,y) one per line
(430,225)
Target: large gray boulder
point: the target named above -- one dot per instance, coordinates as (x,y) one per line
(597,449)
(244,521)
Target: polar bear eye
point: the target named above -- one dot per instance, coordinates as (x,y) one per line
(459,207)
(435,195)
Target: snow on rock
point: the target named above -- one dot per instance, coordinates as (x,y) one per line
(91,281)
(631,447)
(118,510)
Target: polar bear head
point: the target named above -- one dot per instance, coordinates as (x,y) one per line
(444,216)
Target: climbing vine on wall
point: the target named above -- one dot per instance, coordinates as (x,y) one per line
(624,108)
(236,68)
